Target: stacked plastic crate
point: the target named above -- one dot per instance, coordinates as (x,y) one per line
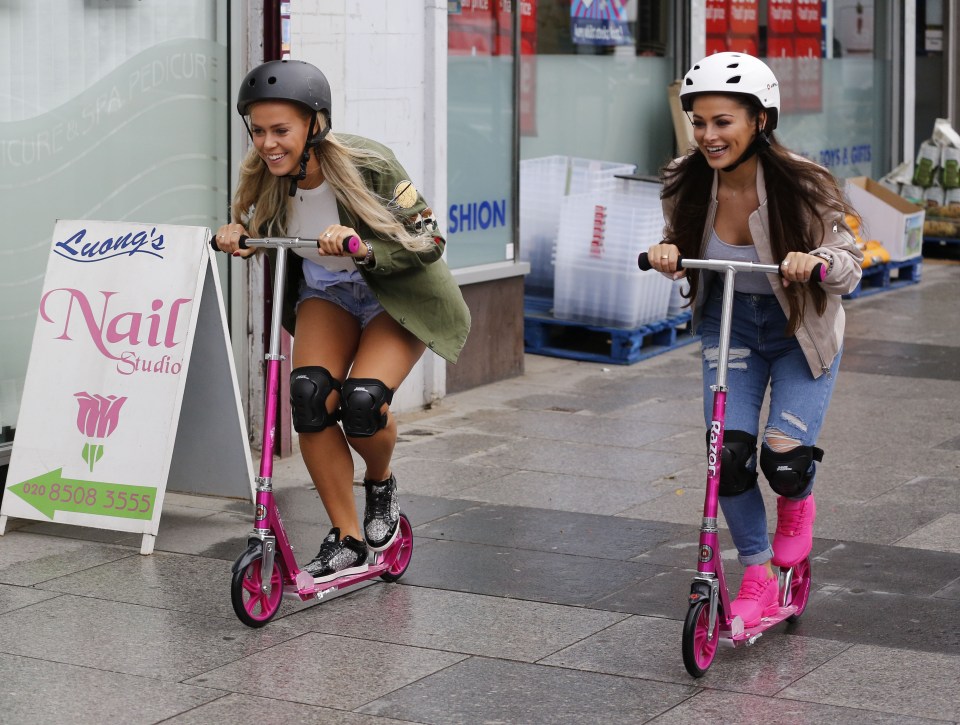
(597,280)
(544,183)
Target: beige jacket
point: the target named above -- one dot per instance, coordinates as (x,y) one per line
(820,336)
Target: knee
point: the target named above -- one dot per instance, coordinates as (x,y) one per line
(789,470)
(309,389)
(361,406)
(738,472)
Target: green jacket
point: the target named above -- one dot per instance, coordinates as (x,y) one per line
(415,288)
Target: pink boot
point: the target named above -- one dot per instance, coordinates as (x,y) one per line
(794,538)
(758,596)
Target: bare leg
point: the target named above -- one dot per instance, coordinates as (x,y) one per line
(327,335)
(387,352)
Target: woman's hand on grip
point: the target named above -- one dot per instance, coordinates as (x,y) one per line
(797,267)
(228,240)
(663,258)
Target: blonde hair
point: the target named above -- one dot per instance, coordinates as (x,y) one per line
(262,202)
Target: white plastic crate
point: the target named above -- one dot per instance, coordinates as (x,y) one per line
(544,182)
(597,280)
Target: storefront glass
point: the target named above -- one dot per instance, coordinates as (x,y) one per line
(480,130)
(833,64)
(600,75)
(111,111)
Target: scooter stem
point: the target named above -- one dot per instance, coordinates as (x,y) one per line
(273,359)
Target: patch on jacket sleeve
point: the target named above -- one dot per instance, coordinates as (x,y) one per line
(404,195)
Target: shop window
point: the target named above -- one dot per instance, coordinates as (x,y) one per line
(480,127)
(835,81)
(119,116)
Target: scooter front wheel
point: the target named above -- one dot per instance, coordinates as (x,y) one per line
(799,588)
(400,552)
(254,605)
(699,644)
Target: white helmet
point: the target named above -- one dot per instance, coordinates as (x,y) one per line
(734,73)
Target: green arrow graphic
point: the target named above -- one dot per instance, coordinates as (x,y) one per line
(51,492)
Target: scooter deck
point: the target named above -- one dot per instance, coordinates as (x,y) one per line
(738,635)
(305,587)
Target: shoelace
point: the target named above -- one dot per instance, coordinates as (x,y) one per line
(752,589)
(378,501)
(791,517)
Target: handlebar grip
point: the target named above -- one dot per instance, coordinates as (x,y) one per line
(643,262)
(819,273)
(351,244)
(242,242)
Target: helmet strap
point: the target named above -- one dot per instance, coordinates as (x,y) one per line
(761,142)
(314,141)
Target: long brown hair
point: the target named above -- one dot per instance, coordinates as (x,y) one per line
(797,193)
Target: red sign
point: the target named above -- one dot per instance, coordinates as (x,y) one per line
(806,16)
(780,46)
(744,18)
(473,30)
(780,16)
(742,44)
(717,21)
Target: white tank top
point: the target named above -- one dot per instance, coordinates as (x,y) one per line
(752,283)
(313,211)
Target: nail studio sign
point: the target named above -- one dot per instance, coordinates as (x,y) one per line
(112,327)
(104,395)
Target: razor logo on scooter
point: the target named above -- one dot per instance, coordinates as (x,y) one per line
(713,458)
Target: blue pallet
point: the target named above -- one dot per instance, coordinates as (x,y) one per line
(545,335)
(879,277)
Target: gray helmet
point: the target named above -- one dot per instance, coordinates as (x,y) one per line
(734,73)
(285,80)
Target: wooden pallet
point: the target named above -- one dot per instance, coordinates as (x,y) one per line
(545,335)
(888,276)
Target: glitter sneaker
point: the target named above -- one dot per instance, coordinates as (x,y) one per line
(758,596)
(337,557)
(381,517)
(794,537)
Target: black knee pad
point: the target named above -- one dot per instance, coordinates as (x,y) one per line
(360,406)
(789,472)
(309,389)
(739,448)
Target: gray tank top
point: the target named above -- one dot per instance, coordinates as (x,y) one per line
(752,283)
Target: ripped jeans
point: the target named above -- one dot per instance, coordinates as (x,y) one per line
(761,356)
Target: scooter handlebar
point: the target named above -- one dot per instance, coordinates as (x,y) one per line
(351,245)
(818,274)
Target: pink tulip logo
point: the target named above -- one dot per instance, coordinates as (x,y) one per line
(96,420)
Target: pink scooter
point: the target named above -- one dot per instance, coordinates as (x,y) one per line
(268,570)
(707,621)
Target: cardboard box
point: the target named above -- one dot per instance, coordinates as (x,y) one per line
(682,128)
(890,219)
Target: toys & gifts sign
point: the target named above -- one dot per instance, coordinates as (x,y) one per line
(108,368)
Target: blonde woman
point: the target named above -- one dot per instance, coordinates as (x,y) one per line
(360,322)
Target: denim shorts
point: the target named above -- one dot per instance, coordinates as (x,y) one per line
(354,297)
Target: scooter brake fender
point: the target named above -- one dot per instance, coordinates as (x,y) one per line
(254,551)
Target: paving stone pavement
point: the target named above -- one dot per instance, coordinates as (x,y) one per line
(555,519)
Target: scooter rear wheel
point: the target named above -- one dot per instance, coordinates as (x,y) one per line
(400,552)
(699,644)
(800,588)
(252,605)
